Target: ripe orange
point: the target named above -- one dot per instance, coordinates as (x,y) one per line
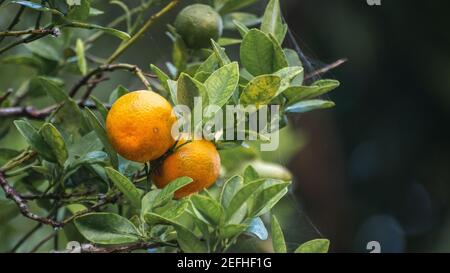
(139,126)
(198,160)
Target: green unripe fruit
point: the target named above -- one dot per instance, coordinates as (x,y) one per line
(198,24)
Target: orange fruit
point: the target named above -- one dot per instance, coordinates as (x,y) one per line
(198,160)
(139,126)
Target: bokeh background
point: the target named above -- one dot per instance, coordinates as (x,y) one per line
(374,168)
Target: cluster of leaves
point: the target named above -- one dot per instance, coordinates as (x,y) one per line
(75,156)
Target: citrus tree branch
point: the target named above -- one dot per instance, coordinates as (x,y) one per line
(154,18)
(89,248)
(108,68)
(17,33)
(33,113)
(13,195)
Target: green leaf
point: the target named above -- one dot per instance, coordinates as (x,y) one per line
(299,93)
(250,174)
(287,74)
(314,246)
(180,54)
(81,59)
(278,242)
(229,189)
(220,53)
(261,90)
(247,19)
(162,77)
(211,64)
(55,141)
(107,228)
(222,83)
(35,140)
(309,105)
(188,89)
(267,198)
(125,186)
(292,57)
(168,191)
(231,230)
(115,32)
(243,30)
(101,133)
(242,196)
(117,93)
(88,143)
(69,118)
(258,229)
(210,209)
(80,12)
(272,22)
(261,54)
(224,41)
(187,240)
(100,108)
(36,6)
(170,211)
(232,5)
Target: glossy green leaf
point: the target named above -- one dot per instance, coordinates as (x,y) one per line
(267,198)
(287,74)
(272,21)
(117,93)
(100,108)
(188,89)
(125,186)
(220,53)
(224,41)
(229,189)
(258,229)
(309,105)
(210,209)
(232,5)
(242,196)
(247,19)
(25,60)
(314,246)
(261,54)
(101,133)
(278,242)
(231,230)
(81,59)
(115,32)
(168,191)
(55,141)
(243,30)
(261,90)
(106,228)
(299,93)
(36,6)
(222,83)
(162,77)
(250,174)
(35,140)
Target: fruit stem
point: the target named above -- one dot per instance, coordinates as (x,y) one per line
(154,18)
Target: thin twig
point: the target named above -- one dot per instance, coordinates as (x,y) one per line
(325,69)
(88,248)
(17,33)
(154,18)
(25,237)
(108,68)
(33,113)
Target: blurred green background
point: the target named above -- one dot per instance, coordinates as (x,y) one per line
(376,167)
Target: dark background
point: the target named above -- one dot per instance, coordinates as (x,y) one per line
(377,166)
